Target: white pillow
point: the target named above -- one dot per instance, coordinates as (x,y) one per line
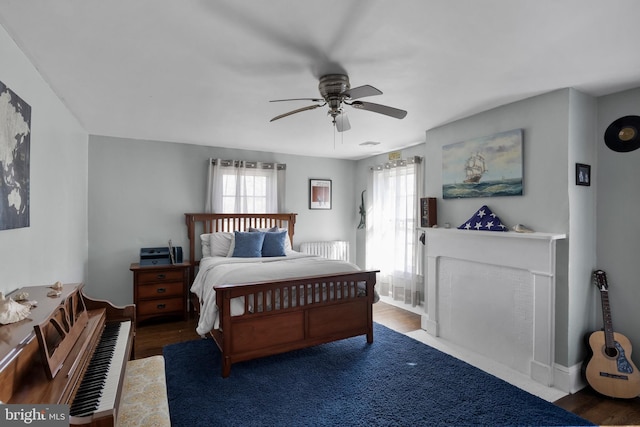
(206,248)
(232,246)
(287,241)
(220,243)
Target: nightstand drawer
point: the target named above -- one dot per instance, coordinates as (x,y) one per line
(160,276)
(160,306)
(160,290)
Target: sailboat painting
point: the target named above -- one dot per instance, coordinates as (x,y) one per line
(483,167)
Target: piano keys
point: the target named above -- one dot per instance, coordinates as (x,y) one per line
(98,391)
(39,364)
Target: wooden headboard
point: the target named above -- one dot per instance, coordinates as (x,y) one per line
(200,223)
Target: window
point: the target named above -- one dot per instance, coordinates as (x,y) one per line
(251,188)
(392,236)
(245,187)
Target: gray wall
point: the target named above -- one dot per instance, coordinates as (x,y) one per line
(576,306)
(558,131)
(618,204)
(54,246)
(140,190)
(544,205)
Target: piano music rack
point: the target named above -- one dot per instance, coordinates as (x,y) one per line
(60,331)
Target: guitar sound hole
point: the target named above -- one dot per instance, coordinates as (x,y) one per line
(611,351)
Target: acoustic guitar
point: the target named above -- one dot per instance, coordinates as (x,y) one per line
(609,369)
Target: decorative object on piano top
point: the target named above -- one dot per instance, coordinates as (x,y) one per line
(12,311)
(21,296)
(56,290)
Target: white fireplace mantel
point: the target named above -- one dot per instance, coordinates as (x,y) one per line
(532,253)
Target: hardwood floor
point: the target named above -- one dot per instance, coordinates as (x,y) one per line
(602,410)
(151,337)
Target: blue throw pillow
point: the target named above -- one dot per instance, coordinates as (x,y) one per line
(248,245)
(274,243)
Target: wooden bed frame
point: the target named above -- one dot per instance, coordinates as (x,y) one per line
(272,329)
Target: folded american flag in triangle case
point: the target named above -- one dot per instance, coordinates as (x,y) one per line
(483,220)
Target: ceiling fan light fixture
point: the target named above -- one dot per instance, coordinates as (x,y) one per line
(336,91)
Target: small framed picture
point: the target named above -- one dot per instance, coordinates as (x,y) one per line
(583,174)
(319,194)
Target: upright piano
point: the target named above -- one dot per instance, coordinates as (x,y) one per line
(71,350)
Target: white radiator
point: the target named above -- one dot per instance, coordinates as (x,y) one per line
(338,249)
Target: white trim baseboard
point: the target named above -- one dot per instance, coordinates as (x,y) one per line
(568,379)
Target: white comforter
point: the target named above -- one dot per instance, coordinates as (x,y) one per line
(229,270)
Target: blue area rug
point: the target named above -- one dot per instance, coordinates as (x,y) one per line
(396,381)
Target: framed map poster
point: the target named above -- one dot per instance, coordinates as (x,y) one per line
(15,142)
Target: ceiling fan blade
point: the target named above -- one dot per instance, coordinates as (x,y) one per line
(362,91)
(299,110)
(298,99)
(377,108)
(342,123)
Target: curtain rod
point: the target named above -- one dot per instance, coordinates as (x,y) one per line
(395,163)
(250,165)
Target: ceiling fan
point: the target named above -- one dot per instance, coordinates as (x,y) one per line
(337,92)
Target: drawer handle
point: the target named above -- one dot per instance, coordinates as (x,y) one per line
(161,306)
(161,276)
(161,290)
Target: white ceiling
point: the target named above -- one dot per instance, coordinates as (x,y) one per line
(203,72)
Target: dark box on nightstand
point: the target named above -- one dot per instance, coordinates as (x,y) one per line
(154,256)
(160,256)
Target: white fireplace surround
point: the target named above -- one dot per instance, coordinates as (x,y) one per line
(515,325)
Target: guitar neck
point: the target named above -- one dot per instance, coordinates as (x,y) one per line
(606,317)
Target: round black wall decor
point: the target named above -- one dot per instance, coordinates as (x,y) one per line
(623,135)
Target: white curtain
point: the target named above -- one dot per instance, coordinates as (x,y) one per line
(236,186)
(393,245)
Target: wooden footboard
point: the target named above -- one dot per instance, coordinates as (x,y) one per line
(293,314)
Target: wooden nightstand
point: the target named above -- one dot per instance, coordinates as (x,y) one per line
(160,290)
